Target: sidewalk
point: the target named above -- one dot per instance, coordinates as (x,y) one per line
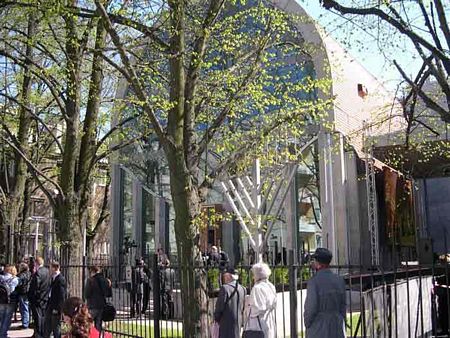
(15,332)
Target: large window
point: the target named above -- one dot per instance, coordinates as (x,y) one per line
(127,207)
(148,223)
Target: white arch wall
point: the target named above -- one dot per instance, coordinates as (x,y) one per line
(341,219)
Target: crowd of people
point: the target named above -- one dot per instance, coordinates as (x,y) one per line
(325,304)
(34,289)
(30,287)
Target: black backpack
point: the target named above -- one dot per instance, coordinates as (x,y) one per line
(24,283)
(5,291)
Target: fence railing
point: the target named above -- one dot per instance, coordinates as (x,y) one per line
(408,301)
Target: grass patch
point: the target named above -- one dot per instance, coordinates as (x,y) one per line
(141,330)
(350,332)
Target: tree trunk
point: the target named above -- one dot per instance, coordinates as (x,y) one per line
(83,181)
(193,282)
(14,204)
(68,205)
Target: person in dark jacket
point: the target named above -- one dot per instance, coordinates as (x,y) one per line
(138,279)
(325,303)
(57,296)
(97,289)
(22,289)
(167,279)
(147,288)
(38,296)
(229,309)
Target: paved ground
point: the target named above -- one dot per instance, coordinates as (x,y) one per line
(15,332)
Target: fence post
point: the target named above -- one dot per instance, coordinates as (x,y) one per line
(156,297)
(83,276)
(293,294)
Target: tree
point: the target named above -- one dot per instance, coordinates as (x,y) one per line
(12,201)
(426,25)
(225,79)
(73,87)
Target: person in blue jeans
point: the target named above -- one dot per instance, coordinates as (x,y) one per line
(7,308)
(24,277)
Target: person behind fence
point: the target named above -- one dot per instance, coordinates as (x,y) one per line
(97,289)
(24,277)
(162,257)
(167,279)
(147,287)
(8,298)
(79,321)
(325,304)
(38,295)
(218,258)
(229,310)
(57,295)
(262,303)
(138,278)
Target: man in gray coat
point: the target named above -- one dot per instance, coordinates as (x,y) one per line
(230,305)
(325,308)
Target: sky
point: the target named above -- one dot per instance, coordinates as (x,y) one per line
(363,47)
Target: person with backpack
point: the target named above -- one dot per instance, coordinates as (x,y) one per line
(229,309)
(24,277)
(38,296)
(97,289)
(8,298)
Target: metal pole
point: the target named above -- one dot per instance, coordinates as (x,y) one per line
(36,240)
(257,199)
(156,298)
(293,294)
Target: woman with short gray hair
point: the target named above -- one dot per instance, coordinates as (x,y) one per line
(262,302)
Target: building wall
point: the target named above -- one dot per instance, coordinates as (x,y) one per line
(434,193)
(338,176)
(350,113)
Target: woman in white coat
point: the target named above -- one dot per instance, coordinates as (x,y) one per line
(262,302)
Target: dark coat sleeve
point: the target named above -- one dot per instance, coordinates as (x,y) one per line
(343,308)
(32,290)
(311,303)
(220,304)
(58,294)
(96,291)
(40,286)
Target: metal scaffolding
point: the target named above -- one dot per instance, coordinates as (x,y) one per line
(372,206)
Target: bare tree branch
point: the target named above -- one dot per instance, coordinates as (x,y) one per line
(134,80)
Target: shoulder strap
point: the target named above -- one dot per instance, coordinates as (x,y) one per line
(232,294)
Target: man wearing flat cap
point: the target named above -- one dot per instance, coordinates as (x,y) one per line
(230,305)
(325,308)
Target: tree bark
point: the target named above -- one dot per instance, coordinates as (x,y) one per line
(187,207)
(67,207)
(88,145)
(14,204)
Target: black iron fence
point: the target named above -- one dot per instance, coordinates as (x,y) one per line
(408,301)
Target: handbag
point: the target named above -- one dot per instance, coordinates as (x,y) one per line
(109,311)
(253,333)
(215,330)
